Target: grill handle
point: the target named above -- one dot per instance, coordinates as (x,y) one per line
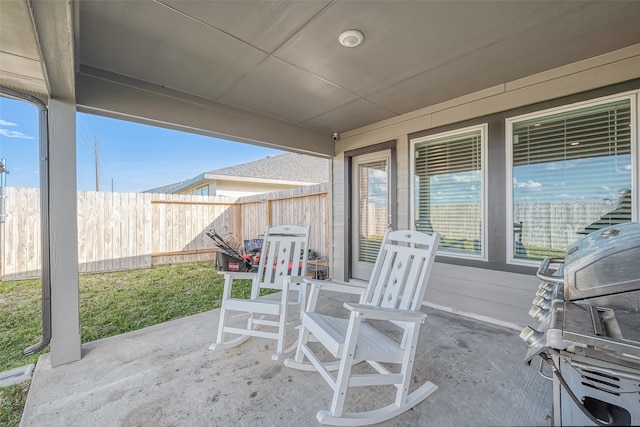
(543,270)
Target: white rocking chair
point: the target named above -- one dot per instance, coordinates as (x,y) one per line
(394,293)
(283,264)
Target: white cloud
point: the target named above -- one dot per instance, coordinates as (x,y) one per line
(467,177)
(14,134)
(5,123)
(529,185)
(554,166)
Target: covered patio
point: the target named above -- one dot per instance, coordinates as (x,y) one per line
(272,73)
(165,375)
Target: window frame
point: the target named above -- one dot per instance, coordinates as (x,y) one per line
(632,96)
(483,128)
(200,190)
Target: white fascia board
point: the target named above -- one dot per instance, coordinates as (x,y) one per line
(189,183)
(256,180)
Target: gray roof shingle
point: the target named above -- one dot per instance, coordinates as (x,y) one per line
(284,167)
(165,188)
(288,166)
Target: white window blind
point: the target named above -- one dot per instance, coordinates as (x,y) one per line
(448,190)
(571,175)
(373,203)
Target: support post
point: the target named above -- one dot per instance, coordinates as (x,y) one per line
(63,234)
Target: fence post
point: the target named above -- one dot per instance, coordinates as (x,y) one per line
(238,231)
(268,213)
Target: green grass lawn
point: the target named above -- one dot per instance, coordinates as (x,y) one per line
(110,304)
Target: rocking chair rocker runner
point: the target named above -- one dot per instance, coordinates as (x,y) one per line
(283,263)
(394,293)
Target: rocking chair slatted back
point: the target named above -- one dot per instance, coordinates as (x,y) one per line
(284,254)
(399,274)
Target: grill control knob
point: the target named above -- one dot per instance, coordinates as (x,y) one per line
(542,303)
(530,335)
(544,293)
(538,313)
(546,286)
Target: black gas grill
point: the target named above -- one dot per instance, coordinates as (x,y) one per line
(587,310)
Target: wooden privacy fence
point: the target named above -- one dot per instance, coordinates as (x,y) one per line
(124,231)
(544,225)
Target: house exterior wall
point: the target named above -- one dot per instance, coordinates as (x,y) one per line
(491,289)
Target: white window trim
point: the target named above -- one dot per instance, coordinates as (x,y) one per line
(483,128)
(635,172)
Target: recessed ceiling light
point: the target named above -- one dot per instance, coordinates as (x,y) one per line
(574,143)
(351,38)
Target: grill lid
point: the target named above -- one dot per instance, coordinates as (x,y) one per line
(605,262)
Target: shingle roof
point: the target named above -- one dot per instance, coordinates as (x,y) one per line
(288,166)
(283,167)
(165,188)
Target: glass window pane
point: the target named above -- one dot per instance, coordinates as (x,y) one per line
(571,175)
(374,208)
(448,190)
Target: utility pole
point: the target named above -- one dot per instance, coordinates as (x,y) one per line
(3,184)
(95,146)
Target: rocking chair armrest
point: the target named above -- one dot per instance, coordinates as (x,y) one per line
(286,285)
(337,287)
(384,313)
(231,276)
(294,279)
(238,274)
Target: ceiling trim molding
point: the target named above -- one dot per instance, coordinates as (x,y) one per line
(53,22)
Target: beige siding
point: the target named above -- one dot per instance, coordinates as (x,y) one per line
(498,295)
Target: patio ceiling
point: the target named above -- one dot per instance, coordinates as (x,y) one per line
(278,64)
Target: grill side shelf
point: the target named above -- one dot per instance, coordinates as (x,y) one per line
(579,328)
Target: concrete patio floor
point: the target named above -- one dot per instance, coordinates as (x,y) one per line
(165,375)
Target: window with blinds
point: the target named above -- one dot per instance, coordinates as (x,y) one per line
(572,175)
(448,189)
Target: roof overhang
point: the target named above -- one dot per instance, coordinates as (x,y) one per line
(272,73)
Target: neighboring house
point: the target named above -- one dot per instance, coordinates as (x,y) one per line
(273,173)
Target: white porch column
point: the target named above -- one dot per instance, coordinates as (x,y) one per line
(63,234)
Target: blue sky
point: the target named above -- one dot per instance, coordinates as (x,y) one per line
(600,179)
(591,179)
(136,157)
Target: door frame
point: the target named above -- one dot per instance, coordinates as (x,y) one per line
(348,193)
